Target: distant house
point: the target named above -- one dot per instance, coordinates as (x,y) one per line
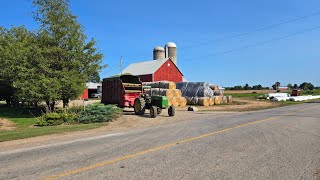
(283,88)
(155,70)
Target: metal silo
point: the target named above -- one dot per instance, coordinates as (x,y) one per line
(171,51)
(158,53)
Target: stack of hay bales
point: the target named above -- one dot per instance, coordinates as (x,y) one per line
(167,88)
(203,94)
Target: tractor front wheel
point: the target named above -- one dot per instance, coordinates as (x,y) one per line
(172,111)
(159,110)
(139,106)
(153,112)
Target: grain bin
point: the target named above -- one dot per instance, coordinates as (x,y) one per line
(171,52)
(158,53)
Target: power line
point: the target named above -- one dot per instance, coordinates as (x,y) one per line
(244,34)
(260,43)
(111,69)
(254,31)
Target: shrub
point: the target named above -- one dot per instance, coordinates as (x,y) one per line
(99,113)
(53,119)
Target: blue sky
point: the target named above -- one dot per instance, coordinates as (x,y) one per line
(132,28)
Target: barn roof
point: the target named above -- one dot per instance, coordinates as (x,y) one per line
(146,67)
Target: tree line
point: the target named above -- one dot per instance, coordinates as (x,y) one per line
(275,86)
(49,64)
(303,86)
(247,87)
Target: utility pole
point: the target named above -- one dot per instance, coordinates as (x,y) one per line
(121,65)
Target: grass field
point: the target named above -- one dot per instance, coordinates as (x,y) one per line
(24,126)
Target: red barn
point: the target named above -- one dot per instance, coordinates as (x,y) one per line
(155,70)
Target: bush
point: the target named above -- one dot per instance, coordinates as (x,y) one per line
(54,119)
(99,113)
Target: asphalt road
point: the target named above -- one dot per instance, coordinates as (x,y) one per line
(282,143)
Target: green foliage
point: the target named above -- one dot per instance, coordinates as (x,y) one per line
(24,122)
(99,113)
(53,119)
(49,64)
(307,86)
(276,85)
(247,87)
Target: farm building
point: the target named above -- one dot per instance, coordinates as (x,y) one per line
(91,88)
(157,70)
(163,67)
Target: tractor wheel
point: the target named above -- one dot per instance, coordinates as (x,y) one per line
(153,112)
(159,110)
(139,106)
(172,111)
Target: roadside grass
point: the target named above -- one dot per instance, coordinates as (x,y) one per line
(24,126)
(243,95)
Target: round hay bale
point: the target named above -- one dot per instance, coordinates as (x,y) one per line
(204,101)
(224,99)
(192,100)
(161,84)
(211,101)
(161,92)
(229,99)
(175,101)
(177,93)
(217,100)
(183,101)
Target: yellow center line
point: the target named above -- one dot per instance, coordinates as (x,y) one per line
(165,146)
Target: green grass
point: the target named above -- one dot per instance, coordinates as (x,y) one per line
(242,95)
(313,92)
(25,128)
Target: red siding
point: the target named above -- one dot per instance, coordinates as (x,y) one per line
(85,94)
(168,72)
(146,78)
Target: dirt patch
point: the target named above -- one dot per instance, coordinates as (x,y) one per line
(6,125)
(241,104)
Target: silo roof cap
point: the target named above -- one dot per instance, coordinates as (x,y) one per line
(171,44)
(158,48)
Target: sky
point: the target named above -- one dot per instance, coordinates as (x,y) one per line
(225,42)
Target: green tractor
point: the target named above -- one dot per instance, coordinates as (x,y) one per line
(154,103)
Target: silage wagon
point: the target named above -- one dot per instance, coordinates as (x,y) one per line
(121,90)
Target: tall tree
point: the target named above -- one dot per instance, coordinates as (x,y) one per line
(71,59)
(19,59)
(276,85)
(306,86)
(290,86)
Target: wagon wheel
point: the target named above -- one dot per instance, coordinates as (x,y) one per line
(139,106)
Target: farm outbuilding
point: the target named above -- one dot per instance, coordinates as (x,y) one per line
(156,70)
(91,88)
